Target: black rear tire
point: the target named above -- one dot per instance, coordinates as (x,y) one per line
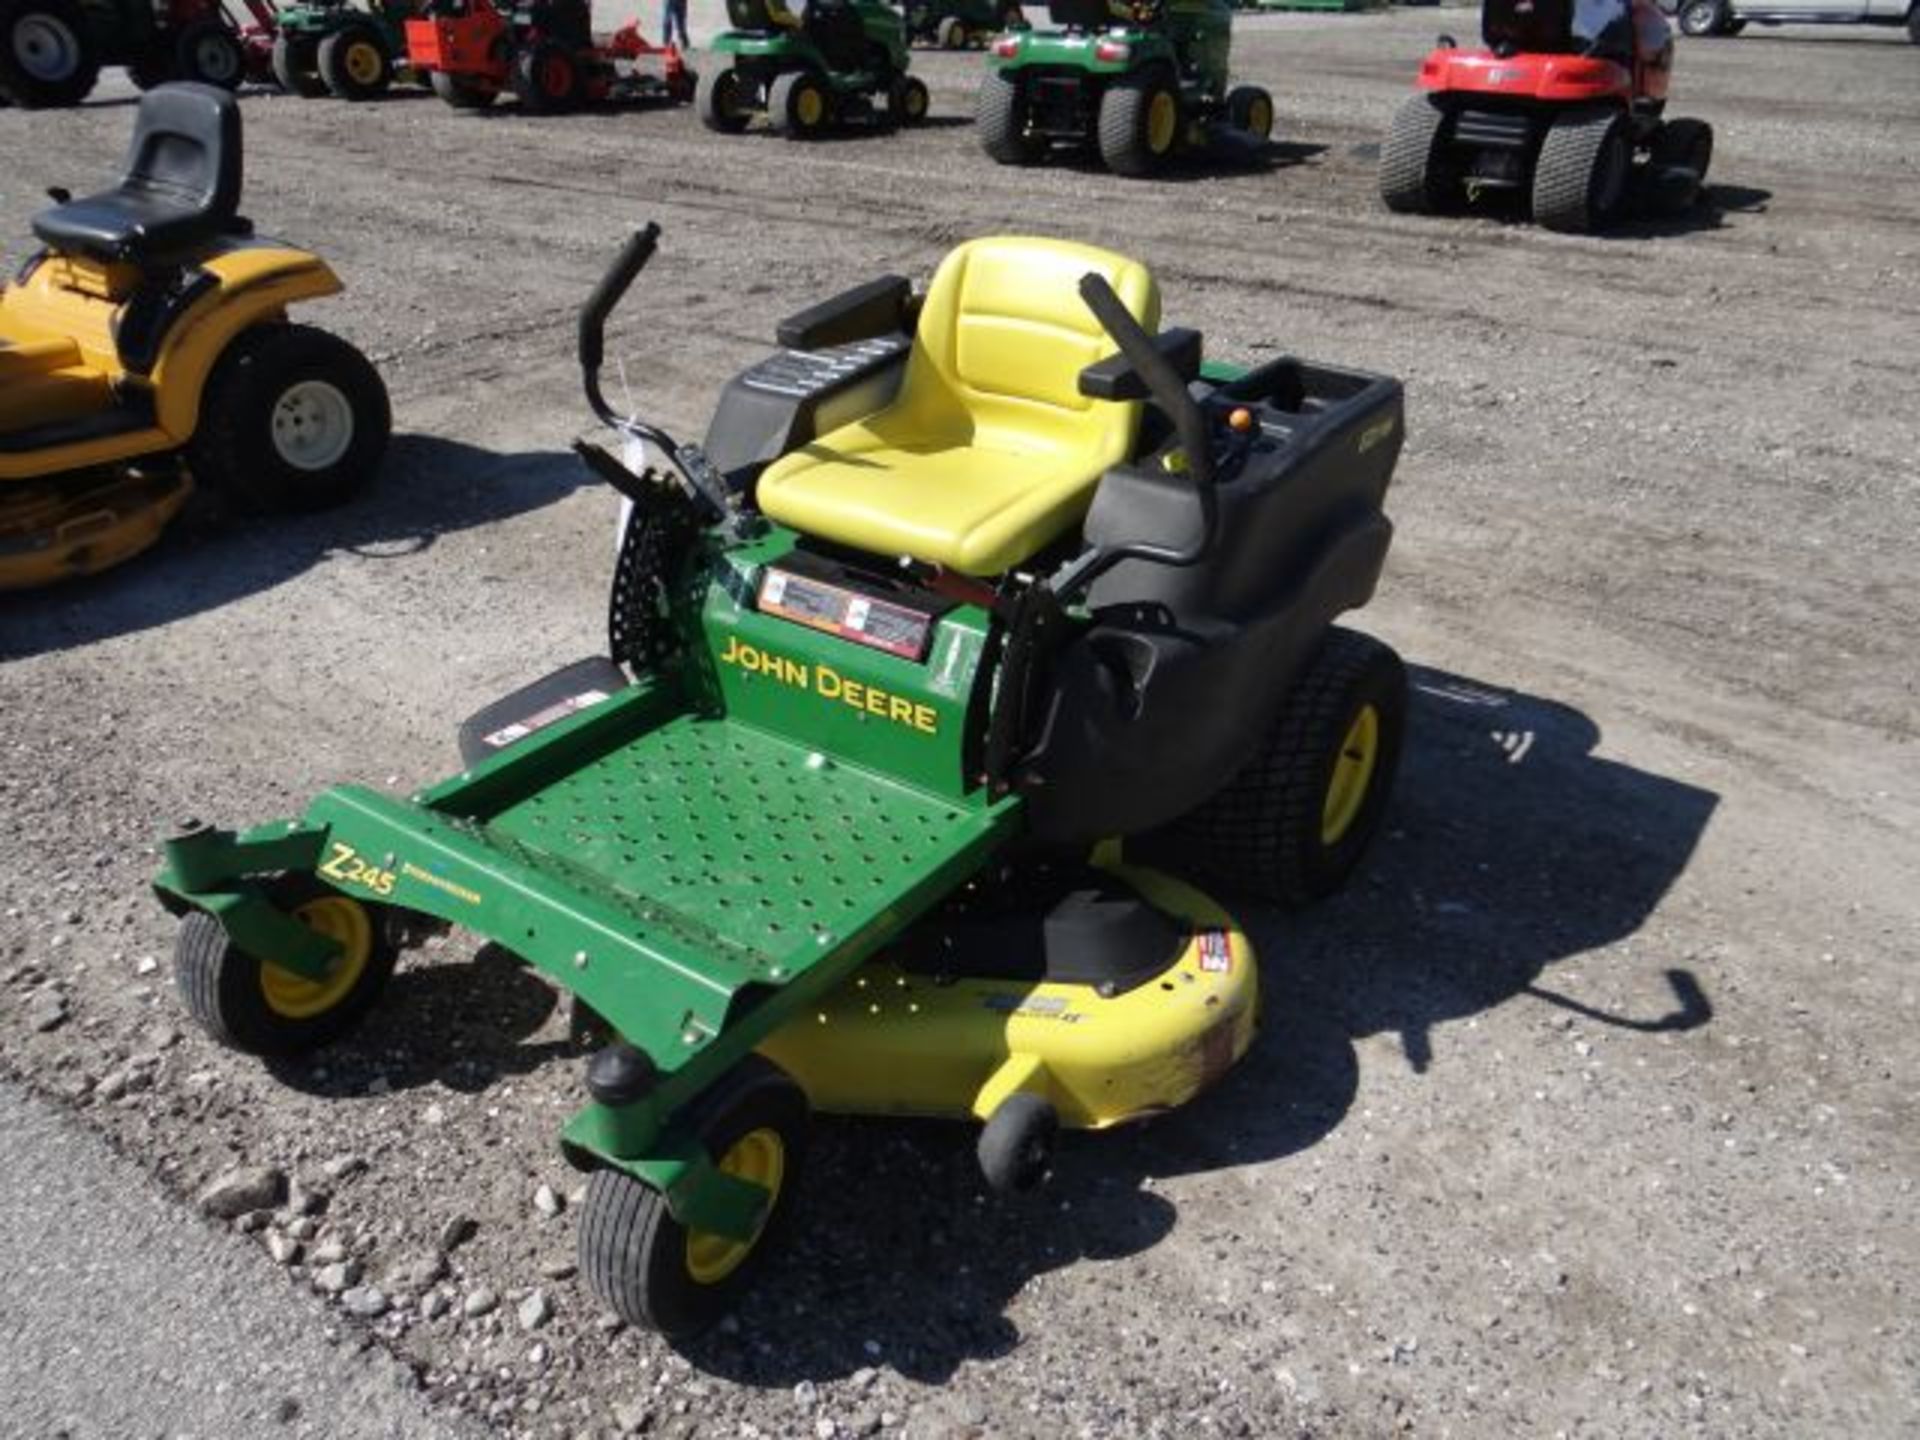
(208,53)
(1016,1147)
(48,56)
(545,78)
(907,101)
(1136,136)
(1580,179)
(292,420)
(1000,120)
(295,65)
(461,92)
(1415,176)
(799,105)
(634,1255)
(716,99)
(243,1002)
(355,64)
(1267,833)
(1250,111)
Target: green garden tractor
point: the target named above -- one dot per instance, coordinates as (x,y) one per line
(845,62)
(334,47)
(1141,82)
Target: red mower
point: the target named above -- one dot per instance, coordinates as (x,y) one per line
(545,53)
(1566,105)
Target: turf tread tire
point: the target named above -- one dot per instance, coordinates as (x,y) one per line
(1567,172)
(338,77)
(1000,121)
(219,985)
(1412,178)
(627,1234)
(1121,128)
(708,102)
(189,58)
(232,451)
(1260,835)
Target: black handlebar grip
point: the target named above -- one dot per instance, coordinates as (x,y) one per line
(1153,367)
(631,260)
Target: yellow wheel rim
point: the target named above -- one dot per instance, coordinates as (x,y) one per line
(761,1157)
(295,997)
(1260,118)
(1163,120)
(1352,776)
(363,63)
(809,107)
(916,101)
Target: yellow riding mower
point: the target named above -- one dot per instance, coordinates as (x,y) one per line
(146,346)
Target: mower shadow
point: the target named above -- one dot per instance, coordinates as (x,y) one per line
(1225,158)
(1512,846)
(1716,202)
(427,487)
(448,1017)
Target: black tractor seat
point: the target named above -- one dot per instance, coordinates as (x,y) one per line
(181,188)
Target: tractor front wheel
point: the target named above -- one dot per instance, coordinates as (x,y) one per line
(1414,175)
(653,1271)
(461,92)
(293,419)
(209,53)
(1580,178)
(907,101)
(295,67)
(1677,161)
(719,101)
(48,57)
(256,1006)
(1140,123)
(798,105)
(1291,826)
(354,63)
(1000,120)
(1250,111)
(951,34)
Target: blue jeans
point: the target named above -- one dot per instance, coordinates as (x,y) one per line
(673,19)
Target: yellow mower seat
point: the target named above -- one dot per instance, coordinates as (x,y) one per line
(989,452)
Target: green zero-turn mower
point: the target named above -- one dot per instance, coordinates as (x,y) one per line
(965,593)
(333,47)
(1140,80)
(846,61)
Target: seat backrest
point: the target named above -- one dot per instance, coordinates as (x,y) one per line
(761,15)
(186,150)
(1004,335)
(1087,14)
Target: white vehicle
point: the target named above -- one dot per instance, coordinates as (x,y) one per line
(1730,17)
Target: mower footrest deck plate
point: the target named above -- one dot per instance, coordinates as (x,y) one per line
(675,878)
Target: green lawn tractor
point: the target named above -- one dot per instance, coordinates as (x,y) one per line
(958,24)
(965,594)
(845,62)
(334,47)
(1141,82)
(51,51)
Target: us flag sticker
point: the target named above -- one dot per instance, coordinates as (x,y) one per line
(1216,952)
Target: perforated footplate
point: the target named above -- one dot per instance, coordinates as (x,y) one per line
(734,843)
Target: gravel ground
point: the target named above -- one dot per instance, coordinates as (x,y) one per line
(1589,1111)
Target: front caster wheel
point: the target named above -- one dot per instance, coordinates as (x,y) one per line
(1016,1148)
(293,419)
(256,1006)
(654,1272)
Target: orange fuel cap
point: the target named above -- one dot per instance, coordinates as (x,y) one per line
(1240,420)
